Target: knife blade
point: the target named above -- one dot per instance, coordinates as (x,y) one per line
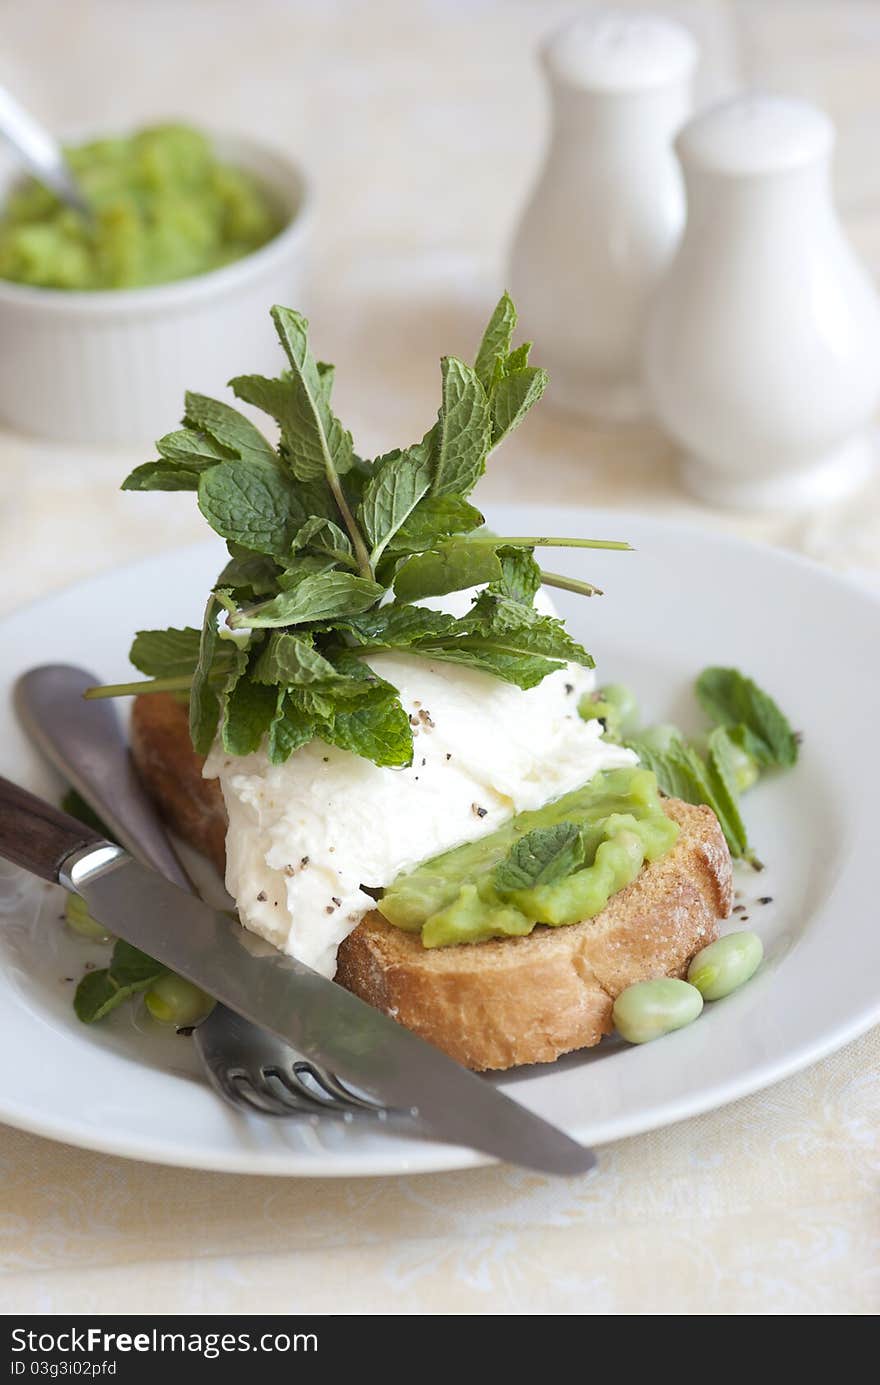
(320,1018)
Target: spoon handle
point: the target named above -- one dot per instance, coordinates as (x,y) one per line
(39,150)
(86,744)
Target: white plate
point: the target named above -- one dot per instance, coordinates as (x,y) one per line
(685,599)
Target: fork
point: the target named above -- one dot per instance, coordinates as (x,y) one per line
(249,1067)
(85,742)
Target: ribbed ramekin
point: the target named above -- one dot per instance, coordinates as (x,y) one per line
(111,367)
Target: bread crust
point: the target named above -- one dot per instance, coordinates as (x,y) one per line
(171,771)
(496,1004)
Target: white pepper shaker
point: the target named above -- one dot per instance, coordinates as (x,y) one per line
(608,209)
(762,355)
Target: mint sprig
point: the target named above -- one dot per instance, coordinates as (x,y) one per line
(130,972)
(541,857)
(749,726)
(328,554)
(749,714)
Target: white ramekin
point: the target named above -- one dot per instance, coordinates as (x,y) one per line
(111,367)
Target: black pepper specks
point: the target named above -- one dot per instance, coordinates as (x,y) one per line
(569,688)
(449,754)
(738,909)
(425,719)
(262,897)
(336,901)
(766,899)
(304,861)
(478,811)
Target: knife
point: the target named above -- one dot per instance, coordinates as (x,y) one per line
(323,1020)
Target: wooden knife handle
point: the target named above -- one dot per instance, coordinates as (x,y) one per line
(37,836)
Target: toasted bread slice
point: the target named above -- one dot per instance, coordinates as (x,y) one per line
(494,1004)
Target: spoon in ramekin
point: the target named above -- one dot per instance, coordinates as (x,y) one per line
(40,152)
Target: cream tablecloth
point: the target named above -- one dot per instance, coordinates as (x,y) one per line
(422,123)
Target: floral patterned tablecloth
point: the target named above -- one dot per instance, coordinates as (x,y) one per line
(422,133)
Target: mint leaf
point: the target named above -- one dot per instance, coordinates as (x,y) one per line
(249,575)
(316,538)
(400,626)
(130,971)
(204,702)
(132,968)
(512,398)
(440,637)
(393,491)
(321,596)
(435,517)
(325,538)
(162,476)
(302,565)
(254,505)
(746,740)
(170,654)
(512,386)
(248,711)
(96,996)
(166,653)
(464,432)
(452,566)
(681,773)
(326,378)
(292,726)
(518,359)
(192,448)
(541,857)
(500,620)
(183,457)
(679,770)
(496,340)
(722,781)
(523,670)
(730,699)
(213,433)
(520,575)
(378,729)
(228,427)
(314,441)
(293,661)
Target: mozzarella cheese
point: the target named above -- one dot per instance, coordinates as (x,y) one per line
(308,839)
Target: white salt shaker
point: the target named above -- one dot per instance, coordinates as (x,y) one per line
(762,355)
(608,209)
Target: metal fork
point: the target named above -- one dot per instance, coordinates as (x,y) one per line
(251,1068)
(244,1064)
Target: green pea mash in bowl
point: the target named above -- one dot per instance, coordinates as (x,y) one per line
(165,208)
